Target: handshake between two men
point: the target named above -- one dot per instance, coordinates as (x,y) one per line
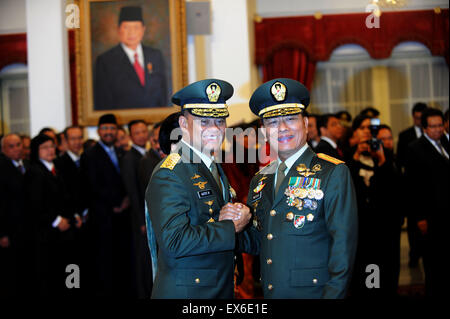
(236,212)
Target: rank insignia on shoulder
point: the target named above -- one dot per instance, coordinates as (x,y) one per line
(195,176)
(171,161)
(329,158)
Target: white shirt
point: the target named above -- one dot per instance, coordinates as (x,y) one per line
(314,143)
(73,156)
(418,131)
(329,140)
(290,161)
(18,163)
(434,143)
(206,160)
(139,149)
(130,53)
(49,166)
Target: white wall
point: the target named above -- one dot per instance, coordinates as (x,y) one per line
(227,53)
(270,8)
(48,65)
(12,16)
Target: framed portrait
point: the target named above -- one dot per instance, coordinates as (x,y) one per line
(114,75)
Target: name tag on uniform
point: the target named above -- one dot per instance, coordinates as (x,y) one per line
(206,193)
(256,196)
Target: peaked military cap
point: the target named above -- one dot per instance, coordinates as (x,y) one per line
(279,97)
(205,98)
(130,14)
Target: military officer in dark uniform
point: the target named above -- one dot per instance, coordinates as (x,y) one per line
(185,195)
(305,217)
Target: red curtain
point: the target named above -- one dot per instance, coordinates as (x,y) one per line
(290,46)
(290,62)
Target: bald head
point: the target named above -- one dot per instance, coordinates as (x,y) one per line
(12,146)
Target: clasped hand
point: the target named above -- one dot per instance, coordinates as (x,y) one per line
(238,213)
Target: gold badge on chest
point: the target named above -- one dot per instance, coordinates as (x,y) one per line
(200,185)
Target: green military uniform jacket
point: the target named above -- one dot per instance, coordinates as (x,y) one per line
(196,251)
(307,253)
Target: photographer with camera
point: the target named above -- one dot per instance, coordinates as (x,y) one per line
(377,186)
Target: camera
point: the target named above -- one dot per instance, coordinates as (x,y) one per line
(374,127)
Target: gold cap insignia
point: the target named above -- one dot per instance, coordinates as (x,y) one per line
(213,91)
(278,91)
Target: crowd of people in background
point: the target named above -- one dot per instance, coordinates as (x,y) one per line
(67,200)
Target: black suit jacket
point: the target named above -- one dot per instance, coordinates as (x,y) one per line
(12,198)
(430,184)
(117,86)
(71,175)
(47,197)
(404,139)
(129,168)
(146,166)
(103,182)
(327,148)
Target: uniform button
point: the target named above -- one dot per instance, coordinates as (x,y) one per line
(270,287)
(269,236)
(273,212)
(269,261)
(314,281)
(197,280)
(290,216)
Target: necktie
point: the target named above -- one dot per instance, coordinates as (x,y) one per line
(77,163)
(113,157)
(280,176)
(139,70)
(21,168)
(53,171)
(215,173)
(441,149)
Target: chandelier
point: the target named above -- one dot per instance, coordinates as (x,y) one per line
(390,4)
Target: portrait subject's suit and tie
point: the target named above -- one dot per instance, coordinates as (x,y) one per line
(130,75)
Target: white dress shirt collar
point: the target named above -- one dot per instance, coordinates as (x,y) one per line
(205,158)
(48,165)
(73,156)
(17,163)
(418,131)
(330,141)
(293,158)
(434,143)
(138,148)
(130,53)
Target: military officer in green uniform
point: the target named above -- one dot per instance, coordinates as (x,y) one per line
(305,217)
(185,195)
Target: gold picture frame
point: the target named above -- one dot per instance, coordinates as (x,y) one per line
(85,46)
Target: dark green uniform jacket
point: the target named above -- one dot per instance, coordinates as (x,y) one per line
(196,251)
(304,253)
